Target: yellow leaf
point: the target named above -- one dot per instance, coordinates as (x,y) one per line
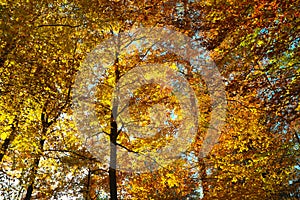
(234,180)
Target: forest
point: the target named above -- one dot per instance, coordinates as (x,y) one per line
(149,99)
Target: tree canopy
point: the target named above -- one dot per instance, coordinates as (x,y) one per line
(49,48)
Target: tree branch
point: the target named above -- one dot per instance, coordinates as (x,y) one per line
(57,25)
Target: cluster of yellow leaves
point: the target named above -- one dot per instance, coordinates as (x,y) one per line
(171,182)
(249,161)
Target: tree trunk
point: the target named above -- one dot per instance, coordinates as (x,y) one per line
(113,160)
(8,140)
(88,186)
(113,141)
(33,172)
(5,145)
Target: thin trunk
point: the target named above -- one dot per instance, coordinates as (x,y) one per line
(29,192)
(5,145)
(203,175)
(8,141)
(88,187)
(33,172)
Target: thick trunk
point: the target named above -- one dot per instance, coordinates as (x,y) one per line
(113,141)
(113,160)
(113,184)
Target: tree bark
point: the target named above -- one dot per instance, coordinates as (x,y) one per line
(5,145)
(8,140)
(33,172)
(88,186)
(113,160)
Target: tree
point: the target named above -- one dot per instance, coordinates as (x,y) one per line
(255,46)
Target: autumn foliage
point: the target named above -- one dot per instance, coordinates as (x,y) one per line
(255,46)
